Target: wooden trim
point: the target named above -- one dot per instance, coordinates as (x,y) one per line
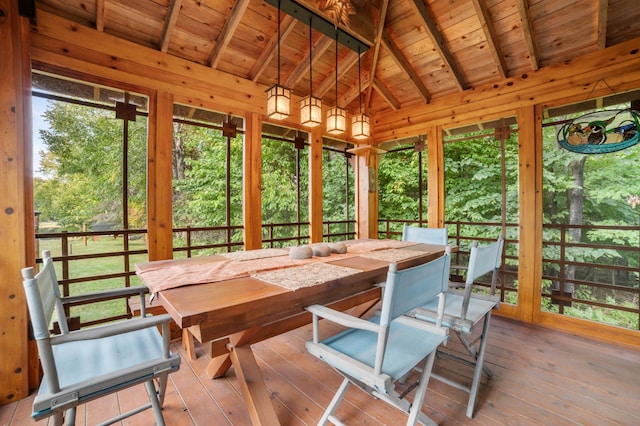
(16,198)
(315,185)
(591,330)
(159,181)
(252,188)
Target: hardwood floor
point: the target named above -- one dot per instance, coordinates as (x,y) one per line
(541,377)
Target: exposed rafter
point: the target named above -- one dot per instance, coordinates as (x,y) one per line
(490,34)
(439,44)
(318,49)
(100,15)
(527,28)
(382,16)
(603,10)
(287,25)
(354,91)
(343,67)
(169,24)
(386,94)
(404,64)
(229,28)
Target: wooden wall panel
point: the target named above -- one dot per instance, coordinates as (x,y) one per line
(16,206)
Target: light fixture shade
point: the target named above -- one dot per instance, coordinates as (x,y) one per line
(336,120)
(310,111)
(278,102)
(360,128)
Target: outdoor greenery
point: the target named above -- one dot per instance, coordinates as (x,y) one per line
(81,184)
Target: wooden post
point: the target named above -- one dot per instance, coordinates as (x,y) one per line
(252,164)
(315,186)
(159,166)
(435,179)
(16,199)
(530,246)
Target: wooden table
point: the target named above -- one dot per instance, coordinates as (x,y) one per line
(235,313)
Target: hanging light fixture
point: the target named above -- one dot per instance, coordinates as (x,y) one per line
(360,128)
(278,97)
(310,107)
(336,116)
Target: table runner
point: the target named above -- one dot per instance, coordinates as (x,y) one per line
(166,274)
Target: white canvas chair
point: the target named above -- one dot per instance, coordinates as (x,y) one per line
(464,310)
(425,235)
(373,354)
(83,365)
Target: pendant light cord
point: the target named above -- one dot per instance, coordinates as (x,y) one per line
(278,42)
(359,82)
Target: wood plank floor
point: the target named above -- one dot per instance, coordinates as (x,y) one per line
(541,377)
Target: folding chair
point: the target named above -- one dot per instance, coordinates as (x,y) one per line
(373,354)
(425,235)
(464,309)
(83,365)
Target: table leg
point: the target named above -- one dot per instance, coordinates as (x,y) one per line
(255,392)
(189,344)
(218,366)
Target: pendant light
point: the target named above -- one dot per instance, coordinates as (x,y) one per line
(336,116)
(310,107)
(278,97)
(360,128)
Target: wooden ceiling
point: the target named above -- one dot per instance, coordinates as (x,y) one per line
(418,49)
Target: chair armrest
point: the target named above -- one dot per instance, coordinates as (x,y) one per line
(112,329)
(97,295)
(341,318)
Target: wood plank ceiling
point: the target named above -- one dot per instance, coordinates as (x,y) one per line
(419,49)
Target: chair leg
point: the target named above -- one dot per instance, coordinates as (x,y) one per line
(155,403)
(418,399)
(477,372)
(337,398)
(162,388)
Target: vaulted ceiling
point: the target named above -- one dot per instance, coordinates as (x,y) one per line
(416,50)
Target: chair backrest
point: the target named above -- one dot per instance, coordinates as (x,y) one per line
(43,298)
(409,288)
(482,260)
(425,235)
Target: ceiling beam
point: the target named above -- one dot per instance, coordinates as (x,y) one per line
(319,48)
(355,90)
(527,29)
(386,94)
(169,24)
(382,17)
(438,43)
(100,15)
(342,68)
(286,27)
(603,10)
(490,34)
(229,28)
(404,64)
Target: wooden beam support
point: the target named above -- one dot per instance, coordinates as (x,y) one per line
(382,17)
(319,48)
(100,15)
(490,35)
(527,30)
(435,178)
(169,24)
(438,43)
(406,67)
(230,25)
(287,25)
(386,94)
(603,13)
